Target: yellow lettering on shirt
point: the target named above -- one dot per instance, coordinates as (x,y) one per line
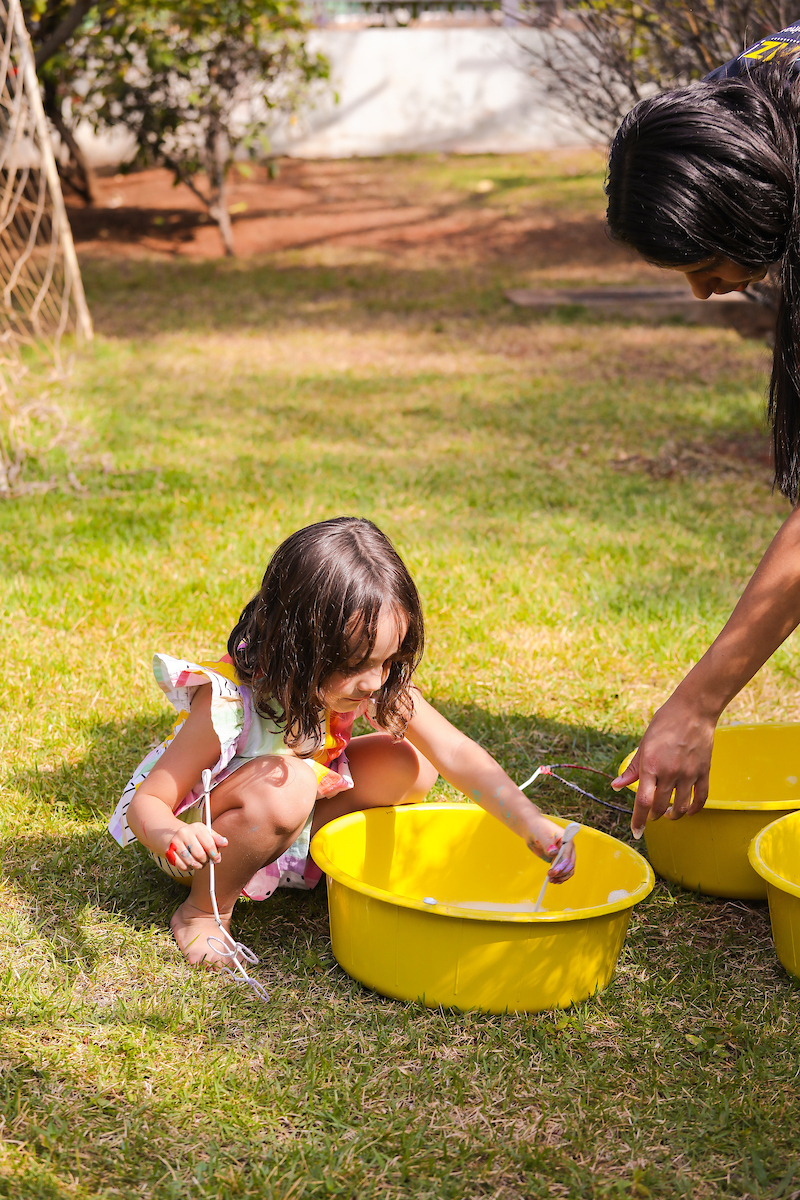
(767,50)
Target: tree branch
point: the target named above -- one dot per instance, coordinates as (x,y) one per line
(63,32)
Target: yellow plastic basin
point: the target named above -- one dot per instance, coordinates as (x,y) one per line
(775,855)
(755,777)
(433,902)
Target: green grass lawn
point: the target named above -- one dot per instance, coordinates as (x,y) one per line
(567,587)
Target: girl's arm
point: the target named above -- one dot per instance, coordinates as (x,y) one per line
(469,768)
(150,815)
(675,752)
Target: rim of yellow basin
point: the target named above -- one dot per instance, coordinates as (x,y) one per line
(761,868)
(323,860)
(727,805)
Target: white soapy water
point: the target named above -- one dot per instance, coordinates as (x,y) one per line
(522,906)
(490,906)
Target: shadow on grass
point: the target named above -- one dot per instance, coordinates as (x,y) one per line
(127,296)
(141,297)
(522,742)
(62,874)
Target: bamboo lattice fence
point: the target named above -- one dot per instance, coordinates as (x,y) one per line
(42,301)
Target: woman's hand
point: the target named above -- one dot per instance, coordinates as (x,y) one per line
(544,840)
(191,846)
(673,756)
(675,752)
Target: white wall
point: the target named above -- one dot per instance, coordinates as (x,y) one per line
(418,89)
(466,90)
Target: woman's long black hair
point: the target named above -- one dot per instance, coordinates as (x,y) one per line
(317,614)
(713,171)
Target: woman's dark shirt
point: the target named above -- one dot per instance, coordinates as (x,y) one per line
(779,45)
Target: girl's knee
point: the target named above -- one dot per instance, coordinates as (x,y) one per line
(285,821)
(273,792)
(419,773)
(427,776)
(386,771)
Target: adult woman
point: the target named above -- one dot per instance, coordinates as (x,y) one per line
(706,181)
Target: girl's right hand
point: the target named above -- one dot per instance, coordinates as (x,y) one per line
(674,756)
(191,846)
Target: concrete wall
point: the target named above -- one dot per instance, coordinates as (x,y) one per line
(466,90)
(406,90)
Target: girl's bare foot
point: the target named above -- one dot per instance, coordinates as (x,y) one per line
(191,927)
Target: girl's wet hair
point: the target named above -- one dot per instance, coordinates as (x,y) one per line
(317,614)
(711,172)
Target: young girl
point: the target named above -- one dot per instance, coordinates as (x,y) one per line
(334,633)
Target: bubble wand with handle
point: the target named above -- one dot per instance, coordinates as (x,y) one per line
(227,947)
(566,838)
(551,771)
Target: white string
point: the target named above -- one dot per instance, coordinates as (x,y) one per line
(533,777)
(227,946)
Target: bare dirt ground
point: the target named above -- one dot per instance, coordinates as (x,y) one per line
(533,219)
(382,208)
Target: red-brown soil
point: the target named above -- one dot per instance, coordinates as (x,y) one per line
(349,204)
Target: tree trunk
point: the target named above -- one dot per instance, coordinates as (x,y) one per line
(219,211)
(81,178)
(219,184)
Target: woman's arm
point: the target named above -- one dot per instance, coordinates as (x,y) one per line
(675,752)
(468,767)
(151,814)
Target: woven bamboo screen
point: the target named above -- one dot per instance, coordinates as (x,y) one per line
(42,300)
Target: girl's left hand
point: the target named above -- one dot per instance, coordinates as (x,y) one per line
(191,846)
(566,867)
(545,842)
